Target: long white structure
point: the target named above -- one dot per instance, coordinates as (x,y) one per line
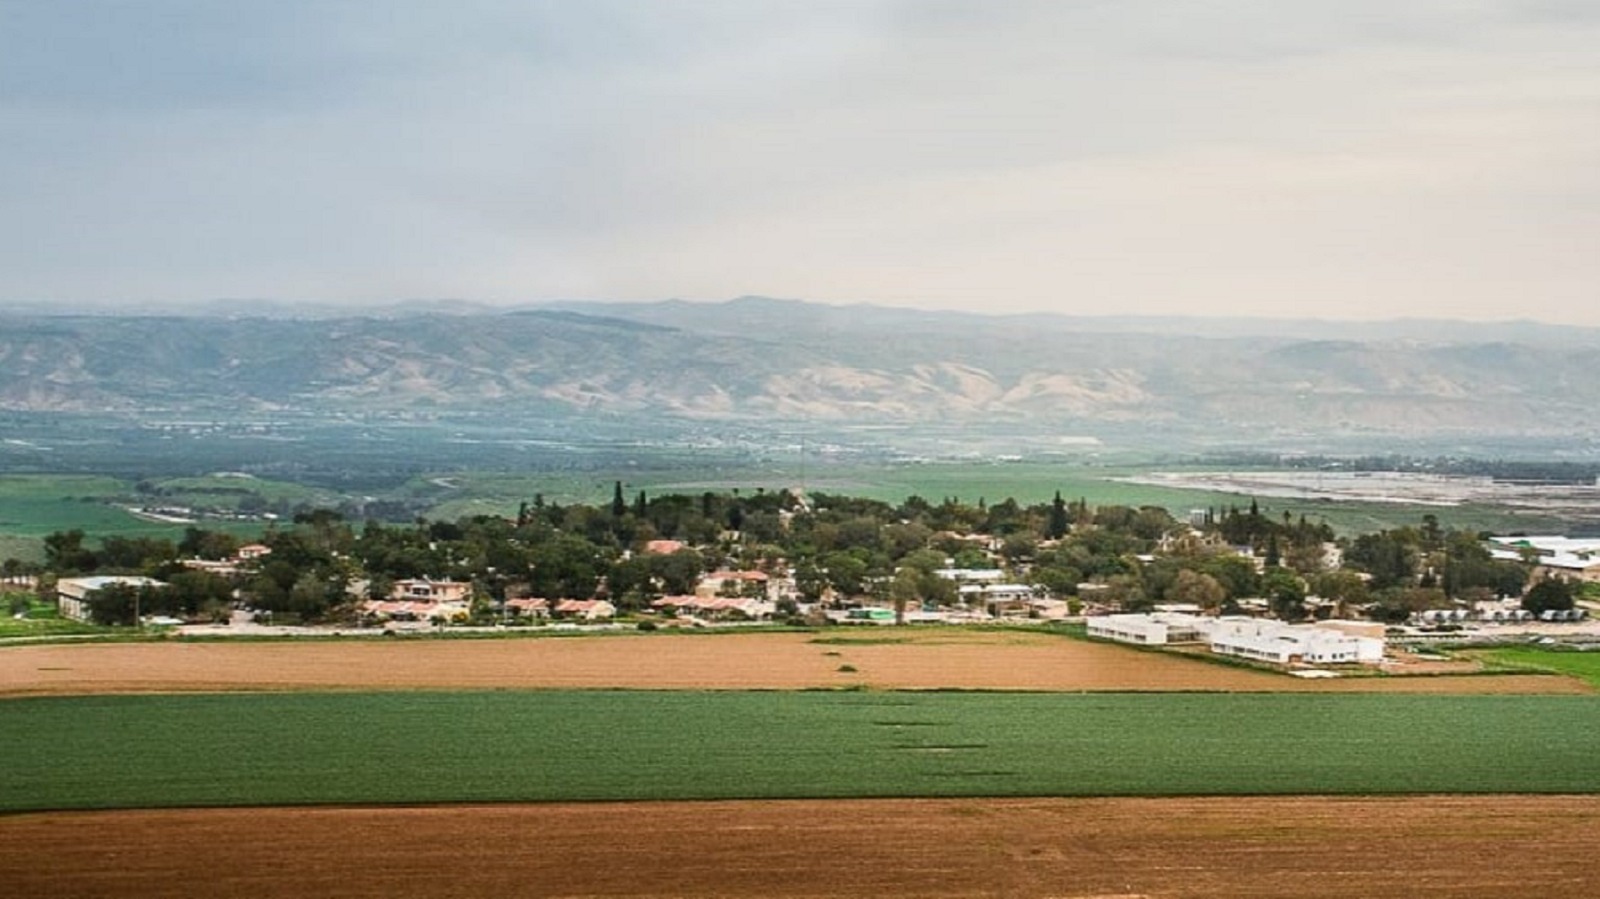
(1259,639)
(1148,630)
(1569,557)
(1284,644)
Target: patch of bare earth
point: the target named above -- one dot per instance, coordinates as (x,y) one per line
(1302,847)
(778,661)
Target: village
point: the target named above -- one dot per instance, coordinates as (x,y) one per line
(1239,585)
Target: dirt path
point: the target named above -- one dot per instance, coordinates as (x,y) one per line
(1302,847)
(942,659)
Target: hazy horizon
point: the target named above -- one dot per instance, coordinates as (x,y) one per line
(1343,161)
(269,307)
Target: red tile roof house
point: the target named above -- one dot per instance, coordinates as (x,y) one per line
(414,610)
(720,583)
(719,607)
(664,547)
(528,608)
(586,609)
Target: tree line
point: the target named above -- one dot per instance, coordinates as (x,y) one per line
(851,549)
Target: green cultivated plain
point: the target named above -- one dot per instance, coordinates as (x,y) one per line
(1585,665)
(249,749)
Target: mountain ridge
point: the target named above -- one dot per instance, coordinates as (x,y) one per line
(757,360)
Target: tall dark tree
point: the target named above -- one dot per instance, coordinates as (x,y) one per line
(1057,527)
(619,506)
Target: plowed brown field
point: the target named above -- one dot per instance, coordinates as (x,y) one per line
(931,660)
(1304,848)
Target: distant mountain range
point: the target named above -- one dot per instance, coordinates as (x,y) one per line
(757,359)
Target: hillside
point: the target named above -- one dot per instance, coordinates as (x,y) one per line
(755,359)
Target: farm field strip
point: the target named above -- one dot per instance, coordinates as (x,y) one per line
(905,659)
(419,747)
(1313,848)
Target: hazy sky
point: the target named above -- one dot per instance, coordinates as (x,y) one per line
(1328,158)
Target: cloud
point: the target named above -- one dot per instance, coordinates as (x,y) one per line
(1223,157)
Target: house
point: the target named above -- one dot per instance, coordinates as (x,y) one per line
(722,607)
(998,599)
(242,559)
(442,612)
(74,594)
(585,609)
(527,607)
(664,547)
(433,591)
(210,566)
(745,583)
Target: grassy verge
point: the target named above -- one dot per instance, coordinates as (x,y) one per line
(133,751)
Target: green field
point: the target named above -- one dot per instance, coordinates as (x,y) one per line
(197,750)
(34,505)
(1585,665)
(478,493)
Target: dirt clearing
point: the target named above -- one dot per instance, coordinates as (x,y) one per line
(1304,847)
(995,660)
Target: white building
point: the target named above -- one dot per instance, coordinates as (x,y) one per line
(1258,639)
(972,575)
(1146,630)
(1568,557)
(1285,644)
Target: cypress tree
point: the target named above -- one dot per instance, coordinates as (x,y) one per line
(1058,518)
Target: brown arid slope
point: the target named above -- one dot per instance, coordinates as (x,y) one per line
(1225,848)
(944,659)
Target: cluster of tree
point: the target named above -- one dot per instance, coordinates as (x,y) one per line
(1296,544)
(1413,569)
(68,552)
(840,546)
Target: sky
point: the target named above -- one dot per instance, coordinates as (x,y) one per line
(1344,159)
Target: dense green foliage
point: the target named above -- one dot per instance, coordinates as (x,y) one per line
(847,548)
(488,746)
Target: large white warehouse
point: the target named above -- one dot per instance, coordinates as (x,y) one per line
(1262,640)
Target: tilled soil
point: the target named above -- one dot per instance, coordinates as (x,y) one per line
(1302,847)
(781,661)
